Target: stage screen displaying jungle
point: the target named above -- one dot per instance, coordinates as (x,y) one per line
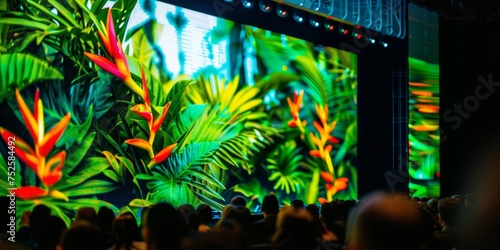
(125,105)
(424,74)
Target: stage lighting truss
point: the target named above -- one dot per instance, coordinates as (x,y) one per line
(299,15)
(383,16)
(248,3)
(357,32)
(343,30)
(329,25)
(282,10)
(315,20)
(265,5)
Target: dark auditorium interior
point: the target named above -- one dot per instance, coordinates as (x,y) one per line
(249,124)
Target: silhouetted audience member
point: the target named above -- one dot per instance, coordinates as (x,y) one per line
(384,222)
(294,230)
(239,200)
(50,237)
(190,216)
(83,235)
(164,227)
(452,235)
(105,217)
(433,205)
(457,196)
(297,203)
(33,226)
(204,241)
(233,235)
(87,213)
(38,220)
(205,216)
(266,227)
(319,228)
(484,227)
(330,214)
(126,233)
(240,215)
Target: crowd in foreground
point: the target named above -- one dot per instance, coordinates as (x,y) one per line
(377,221)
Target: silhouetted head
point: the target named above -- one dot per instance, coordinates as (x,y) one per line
(297,203)
(385,222)
(239,201)
(165,227)
(205,213)
(87,213)
(240,215)
(83,235)
(313,209)
(270,204)
(125,230)
(449,211)
(105,217)
(294,230)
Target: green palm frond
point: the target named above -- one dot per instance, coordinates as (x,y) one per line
(183,172)
(231,119)
(284,168)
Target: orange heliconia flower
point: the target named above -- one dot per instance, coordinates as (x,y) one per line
(295,106)
(334,185)
(48,170)
(154,123)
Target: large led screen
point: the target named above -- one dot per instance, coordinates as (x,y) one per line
(424,134)
(125,105)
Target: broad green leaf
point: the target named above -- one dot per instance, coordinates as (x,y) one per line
(78,152)
(19,70)
(185,120)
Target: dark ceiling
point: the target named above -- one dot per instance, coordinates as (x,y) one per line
(479,10)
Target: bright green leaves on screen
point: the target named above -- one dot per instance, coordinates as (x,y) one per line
(19,70)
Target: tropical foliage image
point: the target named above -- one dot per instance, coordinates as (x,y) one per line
(129,103)
(424,134)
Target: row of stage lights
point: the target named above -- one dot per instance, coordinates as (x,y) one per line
(300,16)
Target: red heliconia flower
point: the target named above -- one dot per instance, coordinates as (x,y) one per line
(154,124)
(163,154)
(30,192)
(118,66)
(47,169)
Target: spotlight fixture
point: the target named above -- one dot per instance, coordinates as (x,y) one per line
(372,40)
(329,25)
(314,20)
(299,15)
(384,44)
(282,10)
(357,34)
(265,5)
(248,3)
(343,31)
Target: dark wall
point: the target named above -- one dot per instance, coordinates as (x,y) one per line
(470,101)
